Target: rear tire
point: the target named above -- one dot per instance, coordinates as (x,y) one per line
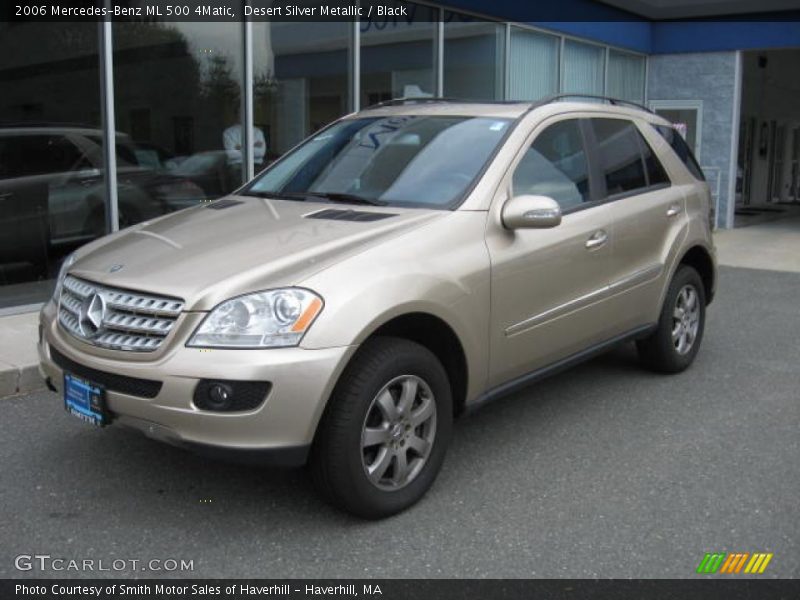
(384,434)
(676,340)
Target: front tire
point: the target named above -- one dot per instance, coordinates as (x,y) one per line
(676,340)
(384,434)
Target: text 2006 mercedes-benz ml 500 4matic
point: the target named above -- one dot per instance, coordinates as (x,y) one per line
(401,266)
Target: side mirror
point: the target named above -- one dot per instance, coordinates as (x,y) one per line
(531,212)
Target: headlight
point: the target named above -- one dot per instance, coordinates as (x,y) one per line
(62,274)
(271,319)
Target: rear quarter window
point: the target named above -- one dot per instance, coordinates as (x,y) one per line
(681,149)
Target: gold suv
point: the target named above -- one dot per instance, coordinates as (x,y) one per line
(404,264)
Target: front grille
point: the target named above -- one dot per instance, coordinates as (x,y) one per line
(122,319)
(132,386)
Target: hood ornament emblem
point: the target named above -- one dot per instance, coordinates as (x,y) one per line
(115,268)
(90,316)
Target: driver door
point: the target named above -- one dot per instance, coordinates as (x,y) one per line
(548,286)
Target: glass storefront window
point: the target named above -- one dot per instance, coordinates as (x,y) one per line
(178,96)
(533,65)
(473,58)
(51,160)
(178,101)
(583,68)
(398,55)
(300,81)
(626,76)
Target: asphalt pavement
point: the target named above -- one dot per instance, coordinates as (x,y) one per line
(602,471)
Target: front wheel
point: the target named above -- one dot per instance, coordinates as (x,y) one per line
(676,340)
(383,437)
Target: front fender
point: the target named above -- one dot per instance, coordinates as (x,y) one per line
(441,269)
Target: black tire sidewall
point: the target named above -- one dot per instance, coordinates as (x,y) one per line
(664,348)
(359,386)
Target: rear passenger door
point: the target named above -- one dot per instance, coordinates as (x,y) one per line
(648,213)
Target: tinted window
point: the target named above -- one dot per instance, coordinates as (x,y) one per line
(555,166)
(681,148)
(619,155)
(656,175)
(27,155)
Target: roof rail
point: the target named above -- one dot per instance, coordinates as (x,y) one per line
(609,99)
(435,99)
(413,100)
(532,105)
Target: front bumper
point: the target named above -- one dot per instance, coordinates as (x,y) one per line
(280,430)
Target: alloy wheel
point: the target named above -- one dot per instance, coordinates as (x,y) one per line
(398,432)
(685,319)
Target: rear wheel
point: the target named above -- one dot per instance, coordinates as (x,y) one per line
(676,340)
(384,434)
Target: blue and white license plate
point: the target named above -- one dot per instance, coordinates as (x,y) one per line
(85,400)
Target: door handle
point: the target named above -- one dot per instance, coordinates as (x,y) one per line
(674,210)
(598,239)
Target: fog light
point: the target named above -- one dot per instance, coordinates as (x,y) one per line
(220,395)
(230,396)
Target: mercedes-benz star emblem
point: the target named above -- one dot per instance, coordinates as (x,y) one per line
(90,318)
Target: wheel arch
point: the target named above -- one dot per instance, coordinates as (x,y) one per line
(699,258)
(435,334)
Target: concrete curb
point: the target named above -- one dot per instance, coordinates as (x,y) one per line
(19,360)
(19,380)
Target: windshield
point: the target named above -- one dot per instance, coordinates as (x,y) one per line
(428,161)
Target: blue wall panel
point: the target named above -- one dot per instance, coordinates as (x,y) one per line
(526,10)
(633,35)
(598,22)
(670,37)
(603,23)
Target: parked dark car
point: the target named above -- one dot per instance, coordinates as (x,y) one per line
(52,195)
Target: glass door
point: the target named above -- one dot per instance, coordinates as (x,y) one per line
(776,162)
(687,117)
(794,188)
(744,169)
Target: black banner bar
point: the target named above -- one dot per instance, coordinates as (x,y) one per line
(331,10)
(732,588)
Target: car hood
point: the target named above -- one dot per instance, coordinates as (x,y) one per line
(209,253)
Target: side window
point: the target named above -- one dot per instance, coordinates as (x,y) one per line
(619,155)
(27,155)
(681,148)
(656,175)
(8,168)
(555,166)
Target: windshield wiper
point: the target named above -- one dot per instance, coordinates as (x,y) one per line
(296,196)
(303,196)
(351,198)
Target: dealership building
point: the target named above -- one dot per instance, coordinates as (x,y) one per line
(196,108)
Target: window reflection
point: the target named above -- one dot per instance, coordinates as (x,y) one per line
(397,55)
(300,81)
(51,177)
(473,58)
(178,97)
